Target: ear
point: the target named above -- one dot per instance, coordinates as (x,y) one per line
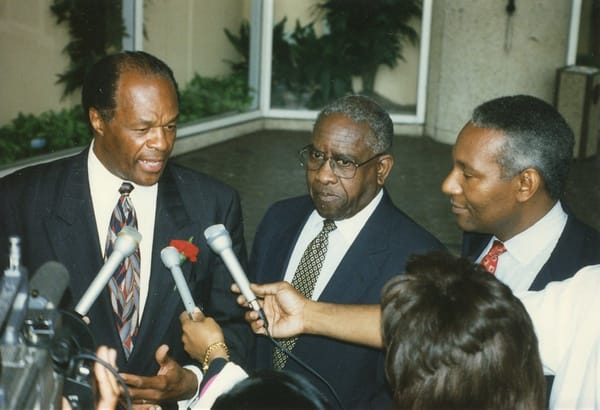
(529,181)
(96,121)
(384,166)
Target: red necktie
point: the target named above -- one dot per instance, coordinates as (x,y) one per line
(490,260)
(124,284)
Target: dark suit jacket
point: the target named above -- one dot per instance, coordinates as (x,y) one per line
(49,206)
(379,252)
(578,246)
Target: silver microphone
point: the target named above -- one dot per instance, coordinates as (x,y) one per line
(128,239)
(219,241)
(171,259)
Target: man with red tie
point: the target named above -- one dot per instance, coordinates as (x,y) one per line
(511,162)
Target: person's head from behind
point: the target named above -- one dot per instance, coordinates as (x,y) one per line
(272,389)
(456,337)
(131,102)
(348,160)
(511,163)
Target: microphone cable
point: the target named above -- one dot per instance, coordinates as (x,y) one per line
(304,365)
(93,357)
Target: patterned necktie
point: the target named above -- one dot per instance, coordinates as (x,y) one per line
(490,260)
(124,284)
(305,279)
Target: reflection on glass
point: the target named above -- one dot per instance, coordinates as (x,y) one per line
(325,49)
(197,39)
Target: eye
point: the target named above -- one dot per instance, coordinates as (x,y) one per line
(317,155)
(171,127)
(343,163)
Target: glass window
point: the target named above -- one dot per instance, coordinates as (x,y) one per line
(322,50)
(207,44)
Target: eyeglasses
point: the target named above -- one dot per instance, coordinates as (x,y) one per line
(345,168)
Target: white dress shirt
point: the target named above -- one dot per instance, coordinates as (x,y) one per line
(104,188)
(340,241)
(527,252)
(566,317)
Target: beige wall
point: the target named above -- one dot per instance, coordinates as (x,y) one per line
(31,57)
(189,34)
(469,63)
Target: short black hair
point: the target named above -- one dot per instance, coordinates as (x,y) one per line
(536,136)
(101,81)
(273,389)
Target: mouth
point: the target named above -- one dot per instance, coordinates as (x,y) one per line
(152,165)
(326,197)
(458,209)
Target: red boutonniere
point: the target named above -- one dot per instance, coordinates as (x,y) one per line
(187,250)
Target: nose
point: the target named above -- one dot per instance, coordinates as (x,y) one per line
(450,186)
(325,174)
(157,139)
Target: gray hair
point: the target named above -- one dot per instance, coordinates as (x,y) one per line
(362,109)
(536,136)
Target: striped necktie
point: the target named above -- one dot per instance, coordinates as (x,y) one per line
(124,284)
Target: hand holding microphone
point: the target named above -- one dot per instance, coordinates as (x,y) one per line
(219,241)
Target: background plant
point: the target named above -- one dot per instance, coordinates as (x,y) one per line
(96,29)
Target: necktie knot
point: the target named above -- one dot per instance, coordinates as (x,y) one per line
(126,188)
(328,226)
(490,260)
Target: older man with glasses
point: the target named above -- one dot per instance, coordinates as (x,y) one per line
(340,243)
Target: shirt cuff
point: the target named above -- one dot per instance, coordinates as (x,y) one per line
(188,403)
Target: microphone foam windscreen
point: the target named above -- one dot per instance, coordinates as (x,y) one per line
(50,281)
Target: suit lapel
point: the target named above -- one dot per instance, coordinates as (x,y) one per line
(72,222)
(362,263)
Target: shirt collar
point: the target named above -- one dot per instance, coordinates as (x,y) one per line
(350,227)
(526,245)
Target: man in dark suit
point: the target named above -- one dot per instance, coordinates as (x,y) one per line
(511,162)
(347,164)
(61,212)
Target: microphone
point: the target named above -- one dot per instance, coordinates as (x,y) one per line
(219,241)
(128,239)
(171,259)
(47,285)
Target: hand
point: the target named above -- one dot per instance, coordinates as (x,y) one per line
(284,308)
(108,387)
(172,382)
(199,332)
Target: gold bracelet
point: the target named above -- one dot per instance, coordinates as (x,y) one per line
(210,350)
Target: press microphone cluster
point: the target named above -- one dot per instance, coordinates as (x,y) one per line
(128,240)
(219,241)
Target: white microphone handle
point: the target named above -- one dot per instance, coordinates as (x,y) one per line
(99,282)
(184,290)
(240,278)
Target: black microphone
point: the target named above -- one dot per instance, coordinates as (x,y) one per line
(46,288)
(47,285)
(128,239)
(219,241)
